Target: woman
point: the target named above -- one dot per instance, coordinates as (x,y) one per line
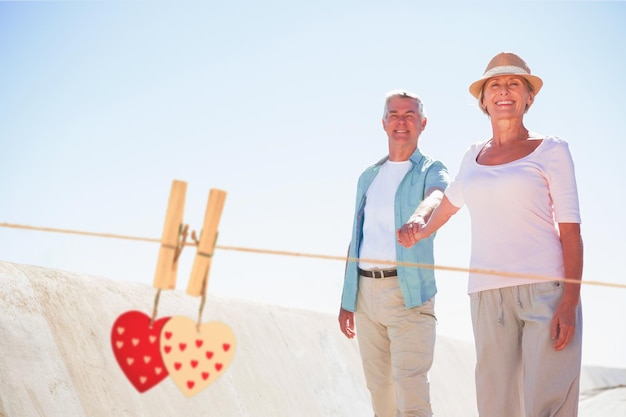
(520,189)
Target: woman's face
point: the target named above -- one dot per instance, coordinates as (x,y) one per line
(506,96)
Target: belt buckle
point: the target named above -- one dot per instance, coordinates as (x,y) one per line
(380,272)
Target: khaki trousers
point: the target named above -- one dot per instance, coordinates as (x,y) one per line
(518,372)
(397,347)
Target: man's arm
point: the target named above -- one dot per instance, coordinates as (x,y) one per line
(346,318)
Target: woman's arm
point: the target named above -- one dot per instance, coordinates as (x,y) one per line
(564,319)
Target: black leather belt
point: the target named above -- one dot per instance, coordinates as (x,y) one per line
(379,273)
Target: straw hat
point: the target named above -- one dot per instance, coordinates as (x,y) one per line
(506,63)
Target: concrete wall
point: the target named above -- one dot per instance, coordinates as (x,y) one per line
(56,356)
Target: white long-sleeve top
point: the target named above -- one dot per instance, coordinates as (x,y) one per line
(514,209)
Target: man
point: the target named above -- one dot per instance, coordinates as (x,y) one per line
(391,302)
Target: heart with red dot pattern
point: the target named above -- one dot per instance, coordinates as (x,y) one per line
(196,356)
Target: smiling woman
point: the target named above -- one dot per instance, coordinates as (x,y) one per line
(516,185)
(507,66)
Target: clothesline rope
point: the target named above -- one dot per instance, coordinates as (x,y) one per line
(312,255)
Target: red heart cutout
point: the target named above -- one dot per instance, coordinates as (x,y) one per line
(135,345)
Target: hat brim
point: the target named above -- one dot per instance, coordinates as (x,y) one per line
(477,86)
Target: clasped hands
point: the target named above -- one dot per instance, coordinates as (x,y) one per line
(411,232)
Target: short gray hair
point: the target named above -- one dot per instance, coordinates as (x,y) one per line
(404,94)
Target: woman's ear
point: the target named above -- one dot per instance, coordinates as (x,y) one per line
(529,101)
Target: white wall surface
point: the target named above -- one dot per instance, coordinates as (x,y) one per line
(56,358)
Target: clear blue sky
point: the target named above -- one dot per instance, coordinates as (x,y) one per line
(103,104)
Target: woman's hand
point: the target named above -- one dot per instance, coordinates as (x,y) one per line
(417,229)
(563,325)
(411,232)
(564,319)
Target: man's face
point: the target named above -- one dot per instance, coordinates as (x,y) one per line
(402,122)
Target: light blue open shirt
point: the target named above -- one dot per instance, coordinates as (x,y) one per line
(417,284)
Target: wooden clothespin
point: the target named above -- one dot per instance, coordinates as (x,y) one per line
(173,239)
(199,278)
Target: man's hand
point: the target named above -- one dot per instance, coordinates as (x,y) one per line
(410,232)
(346,323)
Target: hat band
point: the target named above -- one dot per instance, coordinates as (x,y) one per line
(505,70)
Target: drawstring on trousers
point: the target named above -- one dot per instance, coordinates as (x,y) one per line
(501,310)
(519,298)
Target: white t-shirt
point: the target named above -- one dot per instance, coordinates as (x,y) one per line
(379,230)
(514,209)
